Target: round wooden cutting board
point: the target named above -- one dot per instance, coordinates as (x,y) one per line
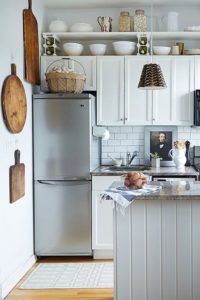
(14,102)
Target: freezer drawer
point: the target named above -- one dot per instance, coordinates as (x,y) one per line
(62,217)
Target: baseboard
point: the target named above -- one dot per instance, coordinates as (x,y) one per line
(10,283)
(103,254)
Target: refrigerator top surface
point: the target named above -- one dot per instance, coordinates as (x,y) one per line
(63,95)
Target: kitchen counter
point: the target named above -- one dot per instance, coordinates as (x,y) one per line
(157,245)
(165,171)
(171,190)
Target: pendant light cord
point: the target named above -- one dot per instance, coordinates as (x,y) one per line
(151,24)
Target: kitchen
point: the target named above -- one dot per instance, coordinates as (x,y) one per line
(17,219)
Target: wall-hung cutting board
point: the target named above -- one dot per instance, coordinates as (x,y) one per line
(14,102)
(31,45)
(17,179)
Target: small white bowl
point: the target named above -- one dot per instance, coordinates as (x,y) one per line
(124,47)
(117,162)
(81,27)
(58,26)
(161,50)
(73,48)
(97,49)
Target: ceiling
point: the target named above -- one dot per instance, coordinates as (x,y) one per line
(111,3)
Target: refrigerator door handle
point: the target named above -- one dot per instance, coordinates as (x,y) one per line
(63,182)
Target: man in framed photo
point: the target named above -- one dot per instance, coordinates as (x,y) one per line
(161,143)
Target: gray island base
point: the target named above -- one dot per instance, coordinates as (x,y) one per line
(157,245)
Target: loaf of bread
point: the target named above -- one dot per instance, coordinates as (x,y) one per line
(135,180)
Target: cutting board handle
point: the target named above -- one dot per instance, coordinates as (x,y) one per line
(30,4)
(17,157)
(13,69)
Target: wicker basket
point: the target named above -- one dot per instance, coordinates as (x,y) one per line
(65,82)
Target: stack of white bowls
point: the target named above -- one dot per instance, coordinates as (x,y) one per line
(124,47)
(74,49)
(97,49)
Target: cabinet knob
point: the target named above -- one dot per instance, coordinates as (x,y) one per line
(121,119)
(126,119)
(153,119)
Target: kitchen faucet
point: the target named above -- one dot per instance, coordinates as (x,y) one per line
(130,158)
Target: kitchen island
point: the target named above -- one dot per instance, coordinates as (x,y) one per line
(157,245)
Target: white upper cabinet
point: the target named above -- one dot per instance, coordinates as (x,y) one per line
(138,103)
(110,90)
(170,106)
(183,86)
(83,64)
(174,105)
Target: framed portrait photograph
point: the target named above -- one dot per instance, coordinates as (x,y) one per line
(159,140)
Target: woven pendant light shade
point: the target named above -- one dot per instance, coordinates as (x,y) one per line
(152,78)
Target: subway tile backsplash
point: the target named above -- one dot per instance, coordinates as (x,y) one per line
(129,139)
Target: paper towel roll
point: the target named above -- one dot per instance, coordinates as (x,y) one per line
(106,135)
(101,132)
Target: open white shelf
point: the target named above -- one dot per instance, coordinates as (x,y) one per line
(183,35)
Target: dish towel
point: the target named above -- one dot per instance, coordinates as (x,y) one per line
(124,196)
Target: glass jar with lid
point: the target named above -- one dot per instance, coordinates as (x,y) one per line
(140,21)
(124,22)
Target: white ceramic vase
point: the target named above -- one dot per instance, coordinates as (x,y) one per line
(179,158)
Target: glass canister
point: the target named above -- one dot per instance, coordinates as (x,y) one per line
(140,21)
(124,22)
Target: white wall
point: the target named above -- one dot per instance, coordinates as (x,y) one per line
(16,220)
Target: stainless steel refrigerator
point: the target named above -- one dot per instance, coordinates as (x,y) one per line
(65,152)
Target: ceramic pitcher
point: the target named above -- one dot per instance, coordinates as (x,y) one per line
(105,23)
(178,156)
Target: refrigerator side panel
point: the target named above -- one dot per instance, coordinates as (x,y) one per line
(94,141)
(63,218)
(61,138)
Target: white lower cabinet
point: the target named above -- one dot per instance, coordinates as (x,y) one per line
(120,102)
(102,218)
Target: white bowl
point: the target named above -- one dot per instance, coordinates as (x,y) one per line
(97,49)
(58,26)
(73,48)
(117,162)
(81,27)
(161,50)
(124,47)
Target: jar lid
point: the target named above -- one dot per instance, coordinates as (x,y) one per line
(139,11)
(124,13)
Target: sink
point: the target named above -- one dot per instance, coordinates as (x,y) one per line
(125,168)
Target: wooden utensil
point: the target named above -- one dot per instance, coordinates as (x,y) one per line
(17,179)
(14,102)
(31,46)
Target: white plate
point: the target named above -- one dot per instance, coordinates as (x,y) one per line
(192,51)
(192,28)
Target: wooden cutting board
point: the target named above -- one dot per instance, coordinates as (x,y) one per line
(17,179)
(14,102)
(31,45)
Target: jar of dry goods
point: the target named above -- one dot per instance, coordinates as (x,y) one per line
(140,21)
(124,21)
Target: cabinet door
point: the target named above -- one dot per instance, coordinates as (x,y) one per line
(102,214)
(110,90)
(138,102)
(197,72)
(162,99)
(183,90)
(88,66)
(174,105)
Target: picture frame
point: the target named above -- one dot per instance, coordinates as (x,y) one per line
(160,140)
